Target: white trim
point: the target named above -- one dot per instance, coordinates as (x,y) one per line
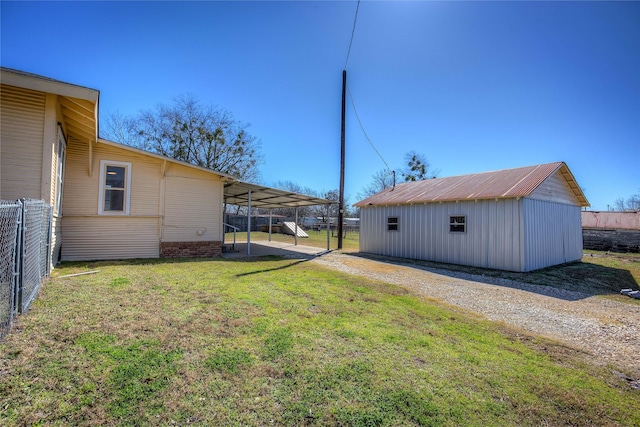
(127,195)
(61,156)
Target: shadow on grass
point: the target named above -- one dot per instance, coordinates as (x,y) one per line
(266,270)
(576,281)
(296,257)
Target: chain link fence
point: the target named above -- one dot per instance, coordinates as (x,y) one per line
(25,240)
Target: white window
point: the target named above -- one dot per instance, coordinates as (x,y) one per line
(115,188)
(392,223)
(458,224)
(62,154)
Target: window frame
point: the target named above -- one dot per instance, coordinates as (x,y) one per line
(61,159)
(392,225)
(126,199)
(454,223)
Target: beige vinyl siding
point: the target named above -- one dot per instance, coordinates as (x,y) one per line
(21,138)
(192,209)
(82,190)
(555,189)
(89,236)
(80,195)
(104,237)
(169,202)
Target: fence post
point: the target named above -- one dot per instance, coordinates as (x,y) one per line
(21,254)
(10,215)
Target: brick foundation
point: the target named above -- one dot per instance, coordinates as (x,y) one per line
(190,249)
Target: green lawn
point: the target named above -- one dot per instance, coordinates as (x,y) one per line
(282,342)
(318,239)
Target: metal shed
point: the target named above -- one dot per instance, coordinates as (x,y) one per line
(518,219)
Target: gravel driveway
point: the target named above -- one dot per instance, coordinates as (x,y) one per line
(607,330)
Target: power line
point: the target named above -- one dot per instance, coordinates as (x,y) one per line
(353,31)
(363,131)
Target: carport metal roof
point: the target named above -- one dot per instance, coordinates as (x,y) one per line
(258,196)
(243,193)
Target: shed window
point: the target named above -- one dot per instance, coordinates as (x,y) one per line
(115,188)
(392,223)
(458,224)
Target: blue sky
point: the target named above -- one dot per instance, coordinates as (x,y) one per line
(474,86)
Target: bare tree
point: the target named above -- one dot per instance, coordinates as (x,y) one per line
(295,188)
(120,129)
(630,204)
(187,130)
(380,180)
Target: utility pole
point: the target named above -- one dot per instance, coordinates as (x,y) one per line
(342,155)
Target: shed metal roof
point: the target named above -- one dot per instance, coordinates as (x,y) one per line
(237,193)
(508,183)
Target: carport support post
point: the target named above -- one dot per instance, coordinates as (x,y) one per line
(270,224)
(249,224)
(295,239)
(328,228)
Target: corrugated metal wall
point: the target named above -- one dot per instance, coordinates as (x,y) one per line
(552,233)
(21,139)
(506,234)
(493,238)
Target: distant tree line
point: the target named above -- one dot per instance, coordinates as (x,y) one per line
(210,137)
(632,203)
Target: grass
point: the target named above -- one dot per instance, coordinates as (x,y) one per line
(283,342)
(599,273)
(317,239)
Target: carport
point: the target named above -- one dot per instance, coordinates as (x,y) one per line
(257,196)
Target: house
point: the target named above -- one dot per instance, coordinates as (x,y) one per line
(519,219)
(110,201)
(617,231)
